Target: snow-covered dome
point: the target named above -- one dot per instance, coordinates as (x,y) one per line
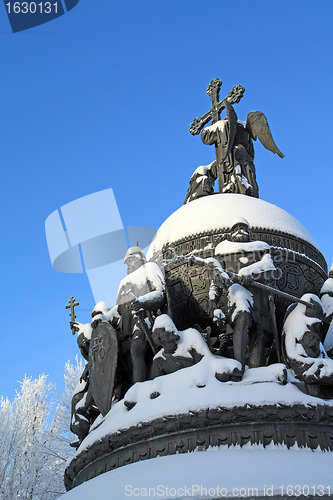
(211,213)
(201,225)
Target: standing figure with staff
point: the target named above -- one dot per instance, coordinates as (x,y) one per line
(242,264)
(141,293)
(250,308)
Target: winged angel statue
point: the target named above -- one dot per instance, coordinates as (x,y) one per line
(234,166)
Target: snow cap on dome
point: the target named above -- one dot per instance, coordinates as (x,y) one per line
(218,212)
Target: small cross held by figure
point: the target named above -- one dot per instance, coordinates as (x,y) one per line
(71,306)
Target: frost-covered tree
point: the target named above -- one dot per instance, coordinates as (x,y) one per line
(63,410)
(57,447)
(22,430)
(35,437)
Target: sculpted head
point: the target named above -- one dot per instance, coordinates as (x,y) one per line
(316,311)
(311,343)
(165,333)
(166,339)
(134,259)
(240,231)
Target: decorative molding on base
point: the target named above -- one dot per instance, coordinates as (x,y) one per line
(305,426)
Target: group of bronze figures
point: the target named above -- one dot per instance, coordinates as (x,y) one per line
(137,340)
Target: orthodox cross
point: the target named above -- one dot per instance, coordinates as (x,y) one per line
(71,306)
(214,114)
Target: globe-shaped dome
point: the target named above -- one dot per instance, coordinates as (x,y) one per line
(213,213)
(202,224)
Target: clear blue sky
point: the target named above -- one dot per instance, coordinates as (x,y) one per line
(103,97)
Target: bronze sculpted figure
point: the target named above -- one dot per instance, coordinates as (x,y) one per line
(140,295)
(201,182)
(83,408)
(250,310)
(93,395)
(170,359)
(326,297)
(233,140)
(304,353)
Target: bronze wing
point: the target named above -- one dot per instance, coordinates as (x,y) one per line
(257,126)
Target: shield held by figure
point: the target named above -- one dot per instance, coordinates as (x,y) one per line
(103,355)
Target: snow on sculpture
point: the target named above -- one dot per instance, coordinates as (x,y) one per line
(183,349)
(201,182)
(326,297)
(196,351)
(233,141)
(304,352)
(247,303)
(140,295)
(115,344)
(84,410)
